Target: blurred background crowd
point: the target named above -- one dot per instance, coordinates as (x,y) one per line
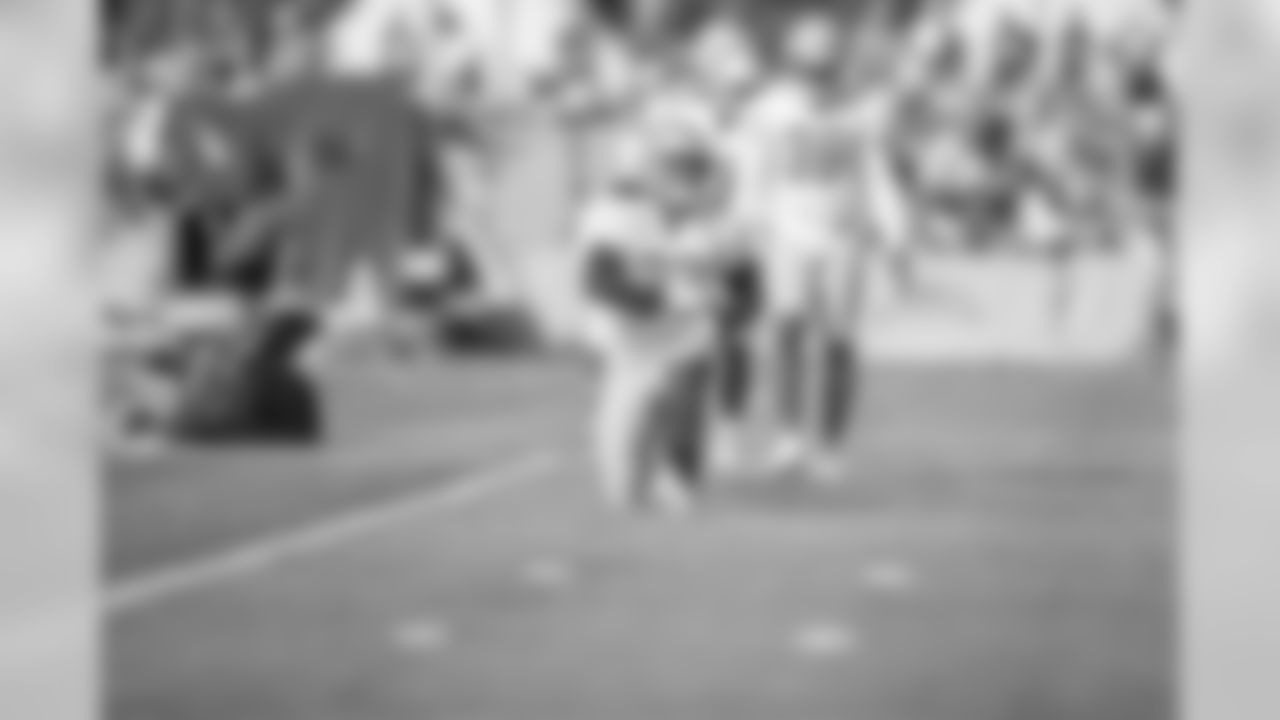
(1015,126)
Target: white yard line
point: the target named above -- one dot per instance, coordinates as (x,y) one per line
(335,531)
(423,441)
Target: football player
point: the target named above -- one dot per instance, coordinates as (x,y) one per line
(794,165)
(649,266)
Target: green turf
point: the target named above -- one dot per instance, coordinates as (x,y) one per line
(1001,549)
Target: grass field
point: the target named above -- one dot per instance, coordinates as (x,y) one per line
(1001,549)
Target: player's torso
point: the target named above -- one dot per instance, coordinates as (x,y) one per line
(803,166)
(664,256)
(816,215)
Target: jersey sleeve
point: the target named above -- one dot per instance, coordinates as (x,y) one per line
(610,268)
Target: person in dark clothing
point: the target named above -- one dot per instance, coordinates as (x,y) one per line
(375,171)
(244,383)
(211,178)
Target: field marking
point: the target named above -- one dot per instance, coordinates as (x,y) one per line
(417,442)
(467,488)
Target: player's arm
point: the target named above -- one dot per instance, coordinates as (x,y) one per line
(890,213)
(612,280)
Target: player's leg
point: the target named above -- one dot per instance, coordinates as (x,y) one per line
(783,373)
(734,386)
(733,377)
(680,431)
(834,403)
(618,309)
(836,362)
(789,340)
(623,430)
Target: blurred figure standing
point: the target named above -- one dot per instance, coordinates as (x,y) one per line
(644,263)
(794,195)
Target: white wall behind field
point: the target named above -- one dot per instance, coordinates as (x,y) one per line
(1102,308)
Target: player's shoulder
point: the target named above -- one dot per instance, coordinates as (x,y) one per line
(612,218)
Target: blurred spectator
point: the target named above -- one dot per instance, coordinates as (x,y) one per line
(979,111)
(724,58)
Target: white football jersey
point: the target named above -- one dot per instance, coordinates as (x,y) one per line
(613,220)
(638,229)
(767,129)
(683,239)
(635,230)
(783,143)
